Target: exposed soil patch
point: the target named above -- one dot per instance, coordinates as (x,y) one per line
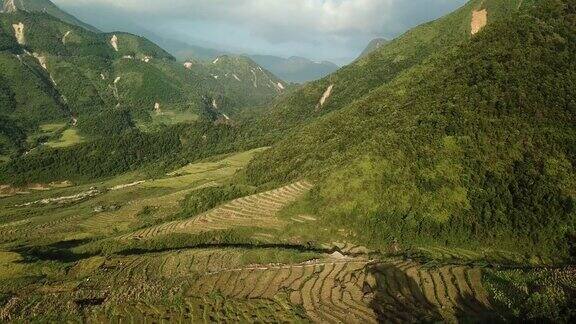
(325,96)
(479,20)
(114,42)
(19,33)
(64,37)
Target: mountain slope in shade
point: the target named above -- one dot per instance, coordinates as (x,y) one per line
(374,45)
(295,69)
(45,6)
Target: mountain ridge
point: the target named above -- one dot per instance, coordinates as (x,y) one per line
(46,6)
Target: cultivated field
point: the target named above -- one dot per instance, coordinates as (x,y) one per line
(129,249)
(253,211)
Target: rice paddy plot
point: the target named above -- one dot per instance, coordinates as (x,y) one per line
(407,291)
(359,290)
(206,309)
(253,211)
(329,290)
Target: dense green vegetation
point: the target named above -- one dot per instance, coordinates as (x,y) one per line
(12,136)
(438,172)
(107,123)
(400,56)
(540,296)
(99,158)
(117,148)
(63,70)
(47,6)
(475,147)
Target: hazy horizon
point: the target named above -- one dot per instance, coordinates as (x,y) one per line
(321,30)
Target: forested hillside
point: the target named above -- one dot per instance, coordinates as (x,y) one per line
(45,6)
(54,72)
(394,59)
(475,147)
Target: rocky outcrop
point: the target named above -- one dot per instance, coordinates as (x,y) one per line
(9,6)
(114,42)
(19,33)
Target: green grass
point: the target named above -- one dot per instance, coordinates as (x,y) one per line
(167,117)
(419,146)
(11,265)
(69,138)
(51,128)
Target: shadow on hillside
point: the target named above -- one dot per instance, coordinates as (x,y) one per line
(470,310)
(399,298)
(59,251)
(245,246)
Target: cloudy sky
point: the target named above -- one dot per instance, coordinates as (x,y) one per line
(335,30)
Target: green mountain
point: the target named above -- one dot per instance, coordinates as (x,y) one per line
(295,69)
(430,181)
(56,71)
(445,137)
(185,52)
(45,6)
(374,45)
(400,56)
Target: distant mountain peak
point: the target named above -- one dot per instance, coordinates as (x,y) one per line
(295,68)
(44,6)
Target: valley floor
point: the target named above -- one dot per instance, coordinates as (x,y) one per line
(132,249)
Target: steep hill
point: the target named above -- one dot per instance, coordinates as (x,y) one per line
(45,6)
(295,69)
(473,147)
(56,71)
(382,66)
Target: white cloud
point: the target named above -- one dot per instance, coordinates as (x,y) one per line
(339,26)
(326,16)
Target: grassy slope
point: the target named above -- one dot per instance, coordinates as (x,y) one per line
(436,156)
(421,141)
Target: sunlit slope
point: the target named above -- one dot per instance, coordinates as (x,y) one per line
(56,72)
(382,66)
(474,147)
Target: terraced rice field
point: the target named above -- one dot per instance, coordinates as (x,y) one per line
(358,290)
(177,264)
(406,291)
(213,309)
(253,211)
(44,226)
(163,205)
